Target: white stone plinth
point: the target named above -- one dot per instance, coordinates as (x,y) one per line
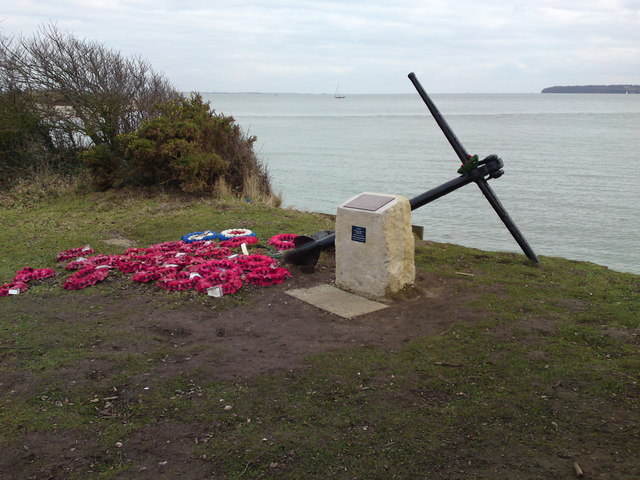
(374,245)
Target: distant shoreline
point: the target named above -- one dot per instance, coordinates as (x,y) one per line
(623,89)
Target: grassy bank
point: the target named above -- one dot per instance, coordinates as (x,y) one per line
(527,369)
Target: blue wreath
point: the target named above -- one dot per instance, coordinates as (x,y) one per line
(199,236)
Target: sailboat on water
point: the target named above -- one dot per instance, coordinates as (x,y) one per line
(338,95)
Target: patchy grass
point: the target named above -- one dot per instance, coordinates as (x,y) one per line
(546,375)
(33,234)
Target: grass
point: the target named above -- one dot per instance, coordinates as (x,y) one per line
(33,234)
(548,374)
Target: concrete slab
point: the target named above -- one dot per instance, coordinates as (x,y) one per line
(336,301)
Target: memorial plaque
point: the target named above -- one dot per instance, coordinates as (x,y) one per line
(369,202)
(358,234)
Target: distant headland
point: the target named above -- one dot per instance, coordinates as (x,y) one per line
(594,89)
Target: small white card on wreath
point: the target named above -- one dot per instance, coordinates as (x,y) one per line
(215,291)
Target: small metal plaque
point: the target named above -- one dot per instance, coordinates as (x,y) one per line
(358,234)
(369,202)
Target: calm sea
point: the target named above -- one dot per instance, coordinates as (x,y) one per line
(572,173)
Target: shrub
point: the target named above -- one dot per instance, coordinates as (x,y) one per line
(103,94)
(66,102)
(27,148)
(18,132)
(59,95)
(188,147)
(106,166)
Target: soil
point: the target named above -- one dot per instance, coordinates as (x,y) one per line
(276,331)
(271,332)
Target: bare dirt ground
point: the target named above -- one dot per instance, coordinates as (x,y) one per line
(271,332)
(276,331)
(268,333)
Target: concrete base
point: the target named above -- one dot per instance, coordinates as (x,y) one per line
(374,245)
(336,301)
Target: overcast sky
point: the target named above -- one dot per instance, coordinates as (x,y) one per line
(364,46)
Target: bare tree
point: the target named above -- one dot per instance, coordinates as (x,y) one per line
(84,92)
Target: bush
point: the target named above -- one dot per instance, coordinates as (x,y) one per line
(188,147)
(105,165)
(59,95)
(67,102)
(26,145)
(18,132)
(90,93)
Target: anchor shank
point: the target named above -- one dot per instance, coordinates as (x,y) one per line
(442,123)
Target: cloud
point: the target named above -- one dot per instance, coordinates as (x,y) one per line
(309,46)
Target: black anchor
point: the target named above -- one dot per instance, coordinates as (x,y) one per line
(308,249)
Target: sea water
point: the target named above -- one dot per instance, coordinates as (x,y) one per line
(572,173)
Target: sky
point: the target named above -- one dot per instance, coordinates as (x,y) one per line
(358,46)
